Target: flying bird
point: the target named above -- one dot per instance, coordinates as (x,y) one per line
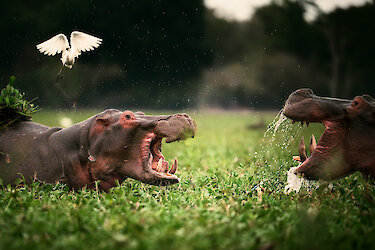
(79,42)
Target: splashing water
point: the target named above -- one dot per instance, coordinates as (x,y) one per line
(296,181)
(281,132)
(280,139)
(279,143)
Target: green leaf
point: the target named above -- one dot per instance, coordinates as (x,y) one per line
(12,99)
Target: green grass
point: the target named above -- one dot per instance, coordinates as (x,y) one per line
(216,205)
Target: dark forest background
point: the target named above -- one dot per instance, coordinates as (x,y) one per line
(177,54)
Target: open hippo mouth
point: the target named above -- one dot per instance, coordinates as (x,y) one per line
(127,144)
(154,160)
(171,129)
(326,159)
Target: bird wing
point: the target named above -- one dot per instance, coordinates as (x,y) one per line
(53,45)
(83,42)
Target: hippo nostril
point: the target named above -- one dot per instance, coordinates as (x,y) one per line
(127,116)
(306,91)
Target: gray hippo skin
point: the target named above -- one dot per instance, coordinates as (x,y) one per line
(107,147)
(348,142)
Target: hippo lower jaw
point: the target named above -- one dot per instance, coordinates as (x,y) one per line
(324,155)
(154,162)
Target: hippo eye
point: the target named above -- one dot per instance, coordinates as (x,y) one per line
(356,103)
(128,115)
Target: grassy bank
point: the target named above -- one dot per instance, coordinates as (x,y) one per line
(230,197)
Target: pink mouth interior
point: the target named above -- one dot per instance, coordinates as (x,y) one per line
(330,140)
(151,153)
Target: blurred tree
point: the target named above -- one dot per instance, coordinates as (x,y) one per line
(350,37)
(277,49)
(174,54)
(154,45)
(280,51)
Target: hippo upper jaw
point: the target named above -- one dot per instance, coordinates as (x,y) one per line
(303,105)
(327,158)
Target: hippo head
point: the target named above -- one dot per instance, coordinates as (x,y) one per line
(127,144)
(348,142)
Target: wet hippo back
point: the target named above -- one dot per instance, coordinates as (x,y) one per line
(24,151)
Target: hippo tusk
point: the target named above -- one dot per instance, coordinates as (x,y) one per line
(312,144)
(160,165)
(302,150)
(174,166)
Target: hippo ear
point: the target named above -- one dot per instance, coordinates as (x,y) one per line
(104,122)
(368,98)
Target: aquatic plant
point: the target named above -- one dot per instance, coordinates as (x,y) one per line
(13,106)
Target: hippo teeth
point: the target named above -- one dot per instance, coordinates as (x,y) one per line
(159,167)
(174,166)
(154,158)
(302,122)
(302,149)
(312,144)
(162,166)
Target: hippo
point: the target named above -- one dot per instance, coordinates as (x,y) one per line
(347,144)
(98,152)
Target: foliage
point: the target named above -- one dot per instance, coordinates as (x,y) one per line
(217,205)
(13,106)
(147,46)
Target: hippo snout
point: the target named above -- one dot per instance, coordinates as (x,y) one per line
(176,127)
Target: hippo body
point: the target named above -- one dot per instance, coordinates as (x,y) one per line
(348,142)
(20,153)
(107,147)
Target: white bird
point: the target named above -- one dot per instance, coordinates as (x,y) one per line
(79,42)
